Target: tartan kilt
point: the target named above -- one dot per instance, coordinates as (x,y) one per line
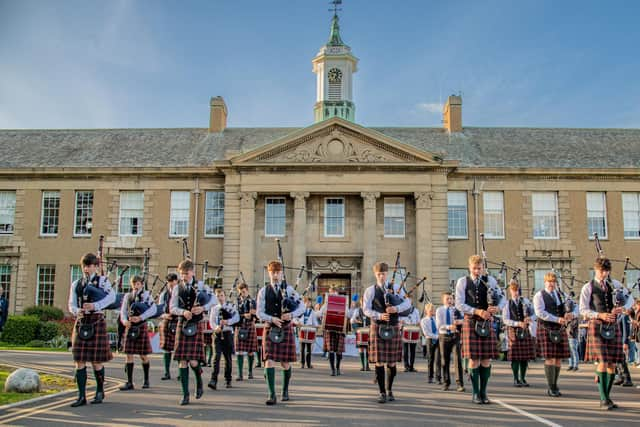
(189,348)
(207,338)
(475,347)
(140,345)
(333,342)
(167,338)
(547,349)
(384,351)
(250,345)
(282,352)
(601,350)
(96,349)
(521,350)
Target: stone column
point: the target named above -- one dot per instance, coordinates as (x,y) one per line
(370,231)
(299,255)
(247,235)
(424,264)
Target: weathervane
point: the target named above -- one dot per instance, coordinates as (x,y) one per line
(335,8)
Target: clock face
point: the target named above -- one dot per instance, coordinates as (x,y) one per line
(334,75)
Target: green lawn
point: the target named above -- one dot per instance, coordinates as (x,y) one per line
(49,384)
(4,346)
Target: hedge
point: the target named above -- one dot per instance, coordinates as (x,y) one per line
(20,329)
(44,312)
(47,331)
(65,326)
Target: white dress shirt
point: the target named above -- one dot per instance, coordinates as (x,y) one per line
(427,324)
(262,315)
(461,296)
(369,294)
(104,284)
(585,299)
(214,315)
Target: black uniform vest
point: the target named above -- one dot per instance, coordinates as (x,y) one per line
(188,299)
(601,301)
(379,305)
(272,302)
(551,306)
(477,297)
(516,311)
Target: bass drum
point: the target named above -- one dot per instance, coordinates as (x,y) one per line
(335,316)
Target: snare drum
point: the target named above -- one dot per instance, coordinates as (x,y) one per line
(362,337)
(307,334)
(335,315)
(411,334)
(260,330)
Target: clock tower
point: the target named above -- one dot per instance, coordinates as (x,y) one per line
(334,66)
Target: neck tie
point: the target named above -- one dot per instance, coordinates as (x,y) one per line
(603,286)
(433,326)
(448,320)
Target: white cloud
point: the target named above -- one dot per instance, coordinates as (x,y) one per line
(430,107)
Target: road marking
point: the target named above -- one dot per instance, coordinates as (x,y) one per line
(528,414)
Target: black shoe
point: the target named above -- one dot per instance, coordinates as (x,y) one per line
(605,406)
(239,378)
(79,402)
(166,377)
(127,386)
(199,392)
(285,396)
(524,383)
(390,397)
(213,384)
(208,365)
(228,384)
(185,400)
(517,383)
(439,381)
(430,381)
(271,401)
(406,369)
(382,398)
(557,392)
(460,389)
(627,384)
(476,399)
(570,368)
(613,405)
(361,369)
(302,366)
(485,400)
(333,372)
(98,398)
(445,387)
(413,370)
(146,384)
(367,368)
(338,373)
(250,376)
(309,366)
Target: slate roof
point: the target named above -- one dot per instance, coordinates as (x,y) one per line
(188,147)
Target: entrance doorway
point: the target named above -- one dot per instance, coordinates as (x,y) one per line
(342,282)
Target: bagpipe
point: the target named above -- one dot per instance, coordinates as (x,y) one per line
(96,293)
(621,294)
(289,303)
(385,330)
(494,294)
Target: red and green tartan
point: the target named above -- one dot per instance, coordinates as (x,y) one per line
(476,347)
(168,338)
(189,348)
(520,349)
(333,341)
(384,351)
(96,349)
(250,345)
(601,350)
(140,345)
(547,349)
(282,352)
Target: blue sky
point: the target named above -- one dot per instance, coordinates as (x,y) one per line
(156,63)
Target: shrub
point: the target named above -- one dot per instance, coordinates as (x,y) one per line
(45,312)
(57,342)
(36,343)
(20,329)
(65,326)
(47,330)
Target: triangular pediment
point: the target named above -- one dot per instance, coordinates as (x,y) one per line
(337,141)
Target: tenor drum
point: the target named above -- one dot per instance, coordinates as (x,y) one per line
(411,334)
(307,334)
(335,316)
(362,337)
(260,330)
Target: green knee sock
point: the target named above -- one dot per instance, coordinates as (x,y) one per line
(523,369)
(515,367)
(286,377)
(167,362)
(475,380)
(250,357)
(184,380)
(485,373)
(81,381)
(240,361)
(362,355)
(270,375)
(603,379)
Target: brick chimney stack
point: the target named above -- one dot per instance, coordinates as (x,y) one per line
(218,115)
(452,114)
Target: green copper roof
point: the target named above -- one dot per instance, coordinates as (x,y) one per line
(334,38)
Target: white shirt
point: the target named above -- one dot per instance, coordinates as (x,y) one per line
(176,310)
(104,284)
(412,319)
(213,316)
(461,297)
(310,320)
(541,311)
(426,325)
(260,303)
(441,319)
(585,299)
(369,294)
(146,298)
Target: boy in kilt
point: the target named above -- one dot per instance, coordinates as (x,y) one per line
(168,325)
(359,320)
(478,335)
(517,316)
(308,318)
(333,341)
(384,351)
(599,304)
(270,310)
(137,307)
(430,331)
(185,303)
(449,339)
(245,346)
(87,307)
(222,318)
(552,318)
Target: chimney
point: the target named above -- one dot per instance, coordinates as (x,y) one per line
(452,114)
(218,115)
